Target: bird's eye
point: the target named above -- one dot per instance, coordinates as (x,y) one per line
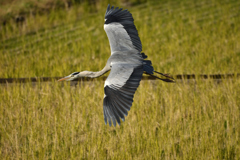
(75,73)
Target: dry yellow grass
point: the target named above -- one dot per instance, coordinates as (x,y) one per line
(187,120)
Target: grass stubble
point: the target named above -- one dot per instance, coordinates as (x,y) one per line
(187,120)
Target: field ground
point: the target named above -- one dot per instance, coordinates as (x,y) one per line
(197,119)
(189,120)
(178,36)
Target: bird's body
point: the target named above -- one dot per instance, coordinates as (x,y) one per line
(127,65)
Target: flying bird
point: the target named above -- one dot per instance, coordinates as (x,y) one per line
(127,65)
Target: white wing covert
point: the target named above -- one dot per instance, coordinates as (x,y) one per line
(121,31)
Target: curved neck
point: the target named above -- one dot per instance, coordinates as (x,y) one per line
(93,74)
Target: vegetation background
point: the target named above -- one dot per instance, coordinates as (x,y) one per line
(188,120)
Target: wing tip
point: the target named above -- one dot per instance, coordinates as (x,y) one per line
(113,121)
(108,7)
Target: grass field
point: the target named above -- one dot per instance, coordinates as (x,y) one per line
(187,120)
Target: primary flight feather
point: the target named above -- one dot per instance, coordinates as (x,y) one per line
(127,65)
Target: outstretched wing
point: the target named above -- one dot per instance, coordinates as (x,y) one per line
(121,31)
(119,89)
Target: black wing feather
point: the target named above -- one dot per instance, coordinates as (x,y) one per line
(118,99)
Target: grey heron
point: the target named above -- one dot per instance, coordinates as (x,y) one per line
(127,65)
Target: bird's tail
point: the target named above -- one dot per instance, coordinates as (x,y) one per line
(148,69)
(147,65)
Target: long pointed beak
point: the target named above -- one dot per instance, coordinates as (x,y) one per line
(64,78)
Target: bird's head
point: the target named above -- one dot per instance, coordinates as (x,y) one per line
(70,77)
